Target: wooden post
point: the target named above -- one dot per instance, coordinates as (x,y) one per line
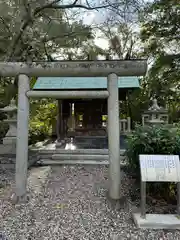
(61,119)
(128,124)
(113,137)
(178,199)
(143,199)
(58,121)
(22,138)
(73,117)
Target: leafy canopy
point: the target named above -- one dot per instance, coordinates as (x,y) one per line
(160,32)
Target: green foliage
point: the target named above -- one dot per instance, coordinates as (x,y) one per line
(151,140)
(162,18)
(138,101)
(32,31)
(160,26)
(154,140)
(160,31)
(43,113)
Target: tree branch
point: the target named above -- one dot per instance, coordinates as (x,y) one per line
(5,24)
(72,34)
(17,38)
(23,27)
(75,1)
(53,5)
(49,5)
(26,6)
(49,57)
(70,6)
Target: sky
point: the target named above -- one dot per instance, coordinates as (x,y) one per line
(89,19)
(96,17)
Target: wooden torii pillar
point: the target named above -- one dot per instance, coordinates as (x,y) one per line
(110,69)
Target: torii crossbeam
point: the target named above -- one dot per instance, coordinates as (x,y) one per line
(74,68)
(110,69)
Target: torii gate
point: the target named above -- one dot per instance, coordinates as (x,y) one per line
(110,69)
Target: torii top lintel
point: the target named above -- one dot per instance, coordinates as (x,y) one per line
(75,68)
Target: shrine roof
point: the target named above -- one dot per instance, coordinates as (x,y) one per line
(45,83)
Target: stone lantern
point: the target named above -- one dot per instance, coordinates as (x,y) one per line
(155,115)
(11,112)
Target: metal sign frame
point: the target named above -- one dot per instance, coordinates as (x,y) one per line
(143,188)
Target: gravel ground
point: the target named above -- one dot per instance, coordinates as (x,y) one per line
(74,205)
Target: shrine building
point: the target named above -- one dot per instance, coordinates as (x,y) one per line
(85,117)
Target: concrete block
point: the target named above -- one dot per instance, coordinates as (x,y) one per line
(83,151)
(7,149)
(72,162)
(157,221)
(79,157)
(9,140)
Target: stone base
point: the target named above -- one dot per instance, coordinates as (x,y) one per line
(157,221)
(7,149)
(9,141)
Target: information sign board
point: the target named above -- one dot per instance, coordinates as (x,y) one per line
(160,168)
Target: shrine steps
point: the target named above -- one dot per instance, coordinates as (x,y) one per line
(94,142)
(45,162)
(78,156)
(89,142)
